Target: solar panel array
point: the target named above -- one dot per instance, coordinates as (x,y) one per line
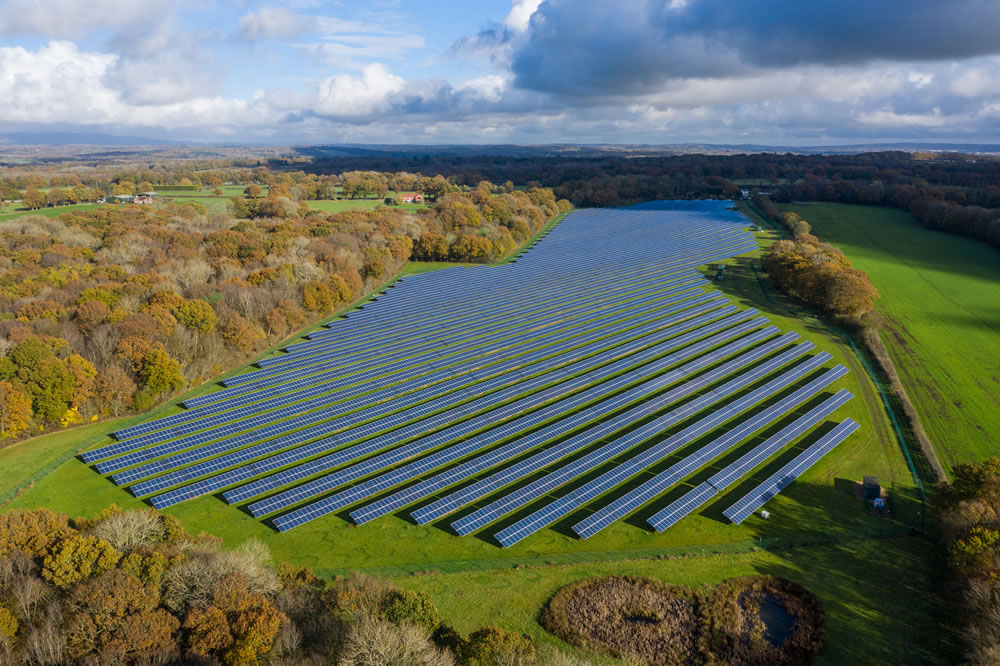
(573,374)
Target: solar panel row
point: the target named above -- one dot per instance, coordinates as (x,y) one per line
(702,325)
(671,514)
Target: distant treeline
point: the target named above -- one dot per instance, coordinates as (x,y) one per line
(955,193)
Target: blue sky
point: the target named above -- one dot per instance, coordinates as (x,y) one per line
(514,71)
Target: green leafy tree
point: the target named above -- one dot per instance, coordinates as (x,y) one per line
(197,315)
(160,373)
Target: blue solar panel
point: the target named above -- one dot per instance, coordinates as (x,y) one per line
(781,479)
(576,498)
(649,489)
(683,506)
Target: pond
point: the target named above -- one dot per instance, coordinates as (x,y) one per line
(778,624)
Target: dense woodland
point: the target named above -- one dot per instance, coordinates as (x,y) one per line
(955,193)
(134,587)
(117,307)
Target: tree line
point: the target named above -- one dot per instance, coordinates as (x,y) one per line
(970,529)
(818,273)
(134,587)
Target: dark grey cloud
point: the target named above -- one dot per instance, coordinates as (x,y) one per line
(628,47)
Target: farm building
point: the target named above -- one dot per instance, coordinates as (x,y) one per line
(411,197)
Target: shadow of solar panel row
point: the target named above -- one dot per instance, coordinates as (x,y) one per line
(323,506)
(689,502)
(781,479)
(649,489)
(624,470)
(487,420)
(397,436)
(262,415)
(328,382)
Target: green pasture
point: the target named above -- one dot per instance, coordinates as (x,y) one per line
(941,304)
(55,211)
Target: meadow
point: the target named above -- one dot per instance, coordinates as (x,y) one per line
(941,306)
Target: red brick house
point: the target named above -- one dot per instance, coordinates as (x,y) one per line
(411,197)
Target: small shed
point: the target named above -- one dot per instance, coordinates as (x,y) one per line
(872,488)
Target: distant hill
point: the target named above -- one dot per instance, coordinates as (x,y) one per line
(80,139)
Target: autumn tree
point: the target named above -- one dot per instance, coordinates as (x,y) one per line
(253,191)
(33,199)
(115,618)
(492,645)
(160,373)
(90,315)
(78,557)
(239,333)
(15,410)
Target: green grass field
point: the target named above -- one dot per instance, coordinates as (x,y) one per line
(819,505)
(941,303)
(47,212)
(339,206)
